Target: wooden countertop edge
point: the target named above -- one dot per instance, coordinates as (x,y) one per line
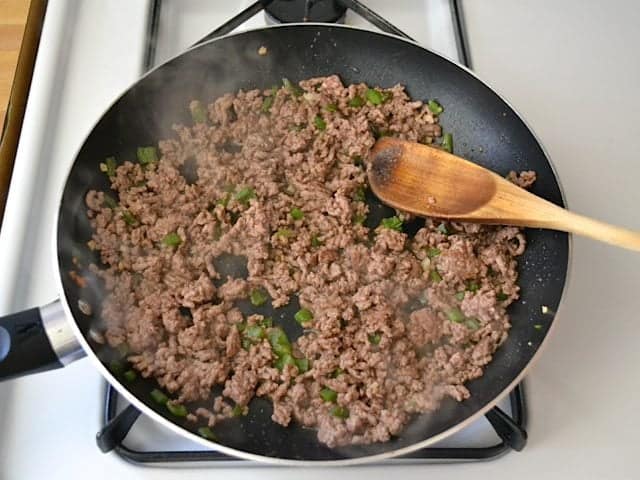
(18,97)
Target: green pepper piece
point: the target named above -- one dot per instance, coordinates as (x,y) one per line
(285,232)
(340,412)
(472,323)
(303,315)
(302,364)
(284,359)
(455,315)
(245,194)
(246,344)
(109,166)
(147,155)
(435,107)
(392,223)
(374,96)
(319,123)
(279,342)
(254,333)
(177,409)
(329,395)
(224,201)
(359,218)
(293,88)
(198,112)
(207,433)
(359,195)
(267,103)
(159,396)
(238,410)
(297,214)
(110,202)
(356,102)
(266,322)
(116,367)
(447,142)
(258,297)
(172,240)
(129,218)
(473,286)
(442,228)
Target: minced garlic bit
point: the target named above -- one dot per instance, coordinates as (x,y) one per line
(544,309)
(84,307)
(426,264)
(96,336)
(262,51)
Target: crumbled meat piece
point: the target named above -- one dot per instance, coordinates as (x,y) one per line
(459,261)
(523,179)
(425,326)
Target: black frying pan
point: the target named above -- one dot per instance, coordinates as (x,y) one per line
(486,131)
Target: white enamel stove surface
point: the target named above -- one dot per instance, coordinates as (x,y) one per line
(90,52)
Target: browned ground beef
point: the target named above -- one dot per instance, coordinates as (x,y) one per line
(398,323)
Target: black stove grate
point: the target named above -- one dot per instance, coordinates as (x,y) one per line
(290,11)
(509,428)
(274,11)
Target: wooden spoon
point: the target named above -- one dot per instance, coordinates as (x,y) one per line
(430,182)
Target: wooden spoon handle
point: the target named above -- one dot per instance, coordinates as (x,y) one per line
(574,223)
(538,213)
(514,206)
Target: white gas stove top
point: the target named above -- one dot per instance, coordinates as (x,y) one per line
(90,52)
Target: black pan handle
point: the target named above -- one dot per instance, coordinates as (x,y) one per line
(36,340)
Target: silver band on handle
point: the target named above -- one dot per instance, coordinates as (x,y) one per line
(62,339)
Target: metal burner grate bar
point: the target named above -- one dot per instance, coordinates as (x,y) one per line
(510,428)
(373,18)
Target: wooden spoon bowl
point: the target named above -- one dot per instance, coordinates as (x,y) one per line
(429,181)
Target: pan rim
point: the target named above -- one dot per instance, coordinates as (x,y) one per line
(267,460)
